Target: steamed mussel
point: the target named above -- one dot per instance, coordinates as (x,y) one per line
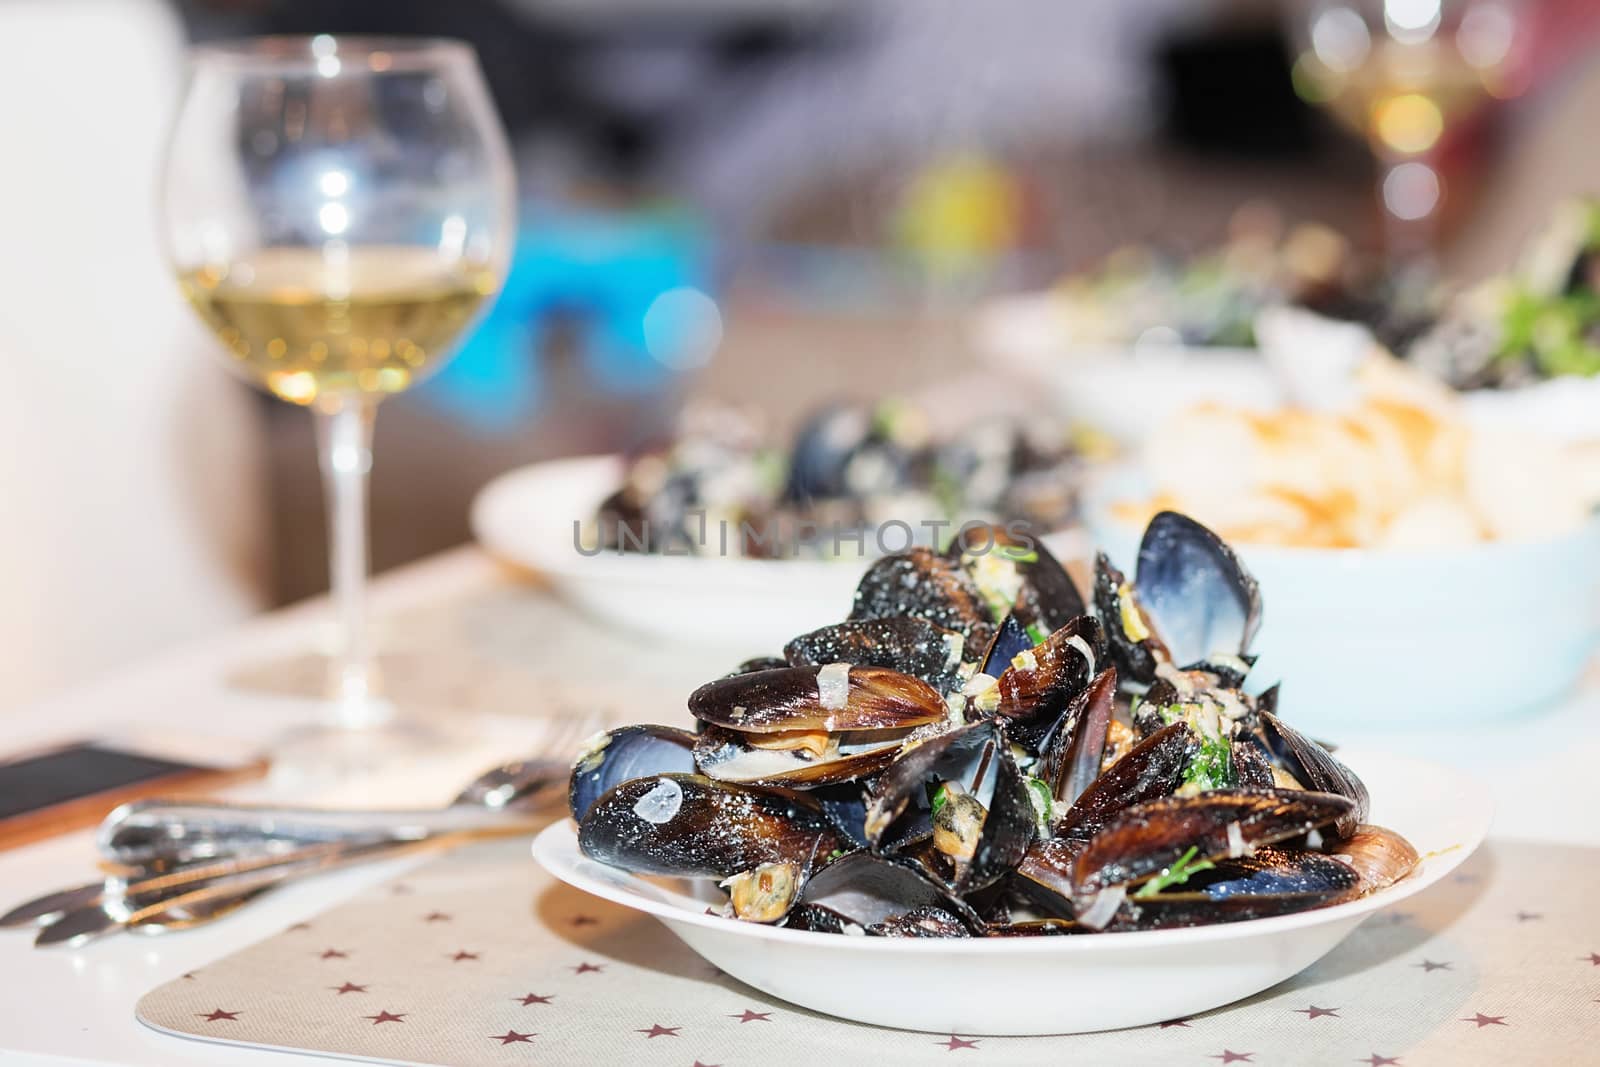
(976,752)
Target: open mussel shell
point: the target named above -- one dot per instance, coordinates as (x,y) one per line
(1151,770)
(1069,757)
(1134,643)
(608,759)
(1044,877)
(911,646)
(1148,838)
(1041,681)
(751,759)
(1315,768)
(693,827)
(1379,857)
(1271,882)
(871,891)
(836,697)
(1046,597)
(925,585)
(982,827)
(1011,639)
(1201,599)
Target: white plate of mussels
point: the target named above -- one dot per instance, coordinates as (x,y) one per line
(1054,823)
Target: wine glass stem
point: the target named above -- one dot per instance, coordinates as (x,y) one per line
(344,451)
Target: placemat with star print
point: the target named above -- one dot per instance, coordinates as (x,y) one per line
(481,958)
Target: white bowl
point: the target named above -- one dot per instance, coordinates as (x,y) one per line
(755,605)
(1392,638)
(1049,985)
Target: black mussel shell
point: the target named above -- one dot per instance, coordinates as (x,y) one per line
(821,920)
(1010,639)
(911,646)
(1229,671)
(1033,928)
(608,759)
(1151,770)
(1272,882)
(1043,680)
(845,805)
(1315,768)
(1378,856)
(927,921)
(1202,601)
(752,759)
(868,890)
(690,826)
(1135,646)
(1147,838)
(978,758)
(792,698)
(758,663)
(924,585)
(1251,768)
(1044,877)
(1047,597)
(1069,759)
(1267,699)
(823,464)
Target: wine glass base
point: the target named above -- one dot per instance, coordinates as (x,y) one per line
(334,750)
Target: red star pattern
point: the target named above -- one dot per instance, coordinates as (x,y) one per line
(1230,1056)
(748,1016)
(187,976)
(218,1014)
(697,1063)
(436,917)
(957,1042)
(1593,958)
(463,954)
(386,1017)
(1376,1060)
(657,1030)
(1485,1020)
(1175,1022)
(1314,1012)
(348,987)
(584,968)
(334,954)
(512,1037)
(1429,966)
(533,998)
(1529,916)
(584,920)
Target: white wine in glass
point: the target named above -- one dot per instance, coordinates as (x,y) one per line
(339,211)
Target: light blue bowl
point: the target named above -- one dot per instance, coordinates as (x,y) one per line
(1369,639)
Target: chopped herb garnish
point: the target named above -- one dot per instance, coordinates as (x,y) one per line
(1043,803)
(1212,766)
(941,797)
(835,854)
(1018,554)
(1037,633)
(1176,874)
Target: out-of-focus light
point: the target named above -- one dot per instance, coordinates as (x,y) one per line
(323,45)
(1340,39)
(1484,36)
(1411,191)
(1312,80)
(333,218)
(682,328)
(334,183)
(452,236)
(328,66)
(1411,21)
(1410,123)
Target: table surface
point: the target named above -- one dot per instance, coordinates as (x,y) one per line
(487,653)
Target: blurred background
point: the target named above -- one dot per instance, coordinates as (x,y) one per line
(819,191)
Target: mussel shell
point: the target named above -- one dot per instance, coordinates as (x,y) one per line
(728,756)
(1315,768)
(1147,838)
(978,757)
(1069,761)
(1044,877)
(1272,882)
(788,698)
(868,890)
(1064,664)
(693,827)
(1033,928)
(926,921)
(1010,638)
(1048,598)
(1151,770)
(821,920)
(1136,658)
(911,646)
(1193,588)
(1251,769)
(1378,856)
(608,759)
(925,585)
(757,663)
(845,805)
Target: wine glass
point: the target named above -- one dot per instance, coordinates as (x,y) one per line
(1401,73)
(338,211)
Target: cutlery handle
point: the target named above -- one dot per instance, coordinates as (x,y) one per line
(163,829)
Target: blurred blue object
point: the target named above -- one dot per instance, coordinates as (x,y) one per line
(633,289)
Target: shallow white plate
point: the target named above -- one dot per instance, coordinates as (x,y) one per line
(754,605)
(1050,985)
